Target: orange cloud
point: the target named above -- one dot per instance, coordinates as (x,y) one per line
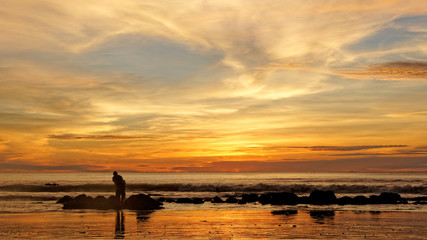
(96,137)
(387,71)
(352,148)
(363,164)
(390,71)
(65,100)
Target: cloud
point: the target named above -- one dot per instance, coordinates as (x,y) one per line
(403,71)
(361,164)
(26,166)
(331,148)
(351,148)
(390,71)
(96,137)
(136,80)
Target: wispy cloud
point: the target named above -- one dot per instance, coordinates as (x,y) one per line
(120,137)
(352,148)
(23,166)
(96,137)
(330,148)
(390,71)
(363,164)
(145,82)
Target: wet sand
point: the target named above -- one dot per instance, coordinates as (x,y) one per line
(214,224)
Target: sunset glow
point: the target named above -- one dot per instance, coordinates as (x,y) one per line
(162,86)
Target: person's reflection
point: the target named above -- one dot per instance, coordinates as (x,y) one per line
(120,225)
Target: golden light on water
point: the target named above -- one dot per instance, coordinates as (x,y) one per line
(254,224)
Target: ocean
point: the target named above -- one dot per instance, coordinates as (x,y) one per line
(38,192)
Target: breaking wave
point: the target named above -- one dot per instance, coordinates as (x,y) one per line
(176,187)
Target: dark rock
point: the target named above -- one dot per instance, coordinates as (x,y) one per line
(141,202)
(418,199)
(284,198)
(168,200)
(80,202)
(184,200)
(304,200)
(374,199)
(112,198)
(250,198)
(390,198)
(65,199)
(101,203)
(319,197)
(231,199)
(190,200)
(217,200)
(383,198)
(163,199)
(134,202)
(386,198)
(265,198)
(198,201)
(80,197)
(360,200)
(101,198)
(69,205)
(114,203)
(344,200)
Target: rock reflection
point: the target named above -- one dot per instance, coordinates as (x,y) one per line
(285,212)
(322,216)
(120,225)
(142,216)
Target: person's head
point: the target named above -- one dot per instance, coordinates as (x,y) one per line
(114,173)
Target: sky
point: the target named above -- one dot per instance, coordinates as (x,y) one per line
(227,86)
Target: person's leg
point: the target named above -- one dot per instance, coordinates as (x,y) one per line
(118,194)
(122,195)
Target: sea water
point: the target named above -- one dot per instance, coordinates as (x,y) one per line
(38,192)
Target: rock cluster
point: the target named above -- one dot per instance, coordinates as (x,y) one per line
(383,198)
(134,202)
(317,197)
(419,200)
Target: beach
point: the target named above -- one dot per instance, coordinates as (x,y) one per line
(28,208)
(214,224)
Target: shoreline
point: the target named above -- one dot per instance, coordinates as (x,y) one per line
(213,223)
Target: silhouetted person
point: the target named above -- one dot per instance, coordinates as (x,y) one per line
(120,186)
